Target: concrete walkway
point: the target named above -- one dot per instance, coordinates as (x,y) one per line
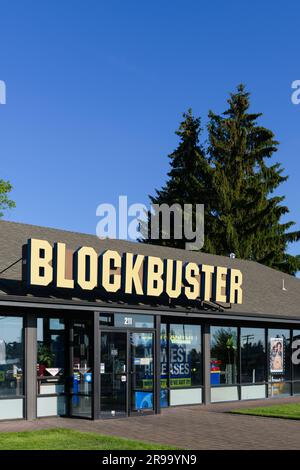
(191,427)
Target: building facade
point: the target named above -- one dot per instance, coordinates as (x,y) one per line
(104,328)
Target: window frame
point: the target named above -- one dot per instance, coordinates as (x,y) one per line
(24,326)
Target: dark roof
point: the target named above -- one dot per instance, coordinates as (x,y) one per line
(263,292)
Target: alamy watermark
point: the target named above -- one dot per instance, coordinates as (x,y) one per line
(2,92)
(156,222)
(295,96)
(296,352)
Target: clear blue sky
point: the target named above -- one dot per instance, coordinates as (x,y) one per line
(95,91)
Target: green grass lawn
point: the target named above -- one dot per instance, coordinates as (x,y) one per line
(289,411)
(68,439)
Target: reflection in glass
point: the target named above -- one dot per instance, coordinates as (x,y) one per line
(279,389)
(82,357)
(11,356)
(223,355)
(81,406)
(253,355)
(164,369)
(163,357)
(82,379)
(113,372)
(296,386)
(141,345)
(50,355)
(185,356)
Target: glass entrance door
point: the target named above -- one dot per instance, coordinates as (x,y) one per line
(113,374)
(142,372)
(126,373)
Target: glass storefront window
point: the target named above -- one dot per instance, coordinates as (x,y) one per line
(185,356)
(50,355)
(82,357)
(126,320)
(113,370)
(279,389)
(253,355)
(296,388)
(181,364)
(279,355)
(11,356)
(223,355)
(142,367)
(164,369)
(135,321)
(82,380)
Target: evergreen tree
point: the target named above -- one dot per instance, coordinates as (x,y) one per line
(5,202)
(234,181)
(189,180)
(247,214)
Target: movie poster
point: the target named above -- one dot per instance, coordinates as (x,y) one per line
(276,356)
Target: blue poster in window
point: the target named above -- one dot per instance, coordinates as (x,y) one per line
(164,402)
(143,400)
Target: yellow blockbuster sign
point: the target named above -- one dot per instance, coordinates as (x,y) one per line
(127,273)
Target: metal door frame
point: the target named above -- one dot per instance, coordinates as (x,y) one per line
(127,332)
(114,330)
(132,412)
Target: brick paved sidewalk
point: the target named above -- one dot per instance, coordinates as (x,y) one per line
(191,427)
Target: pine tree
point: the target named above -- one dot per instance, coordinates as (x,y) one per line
(247,214)
(232,177)
(188,179)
